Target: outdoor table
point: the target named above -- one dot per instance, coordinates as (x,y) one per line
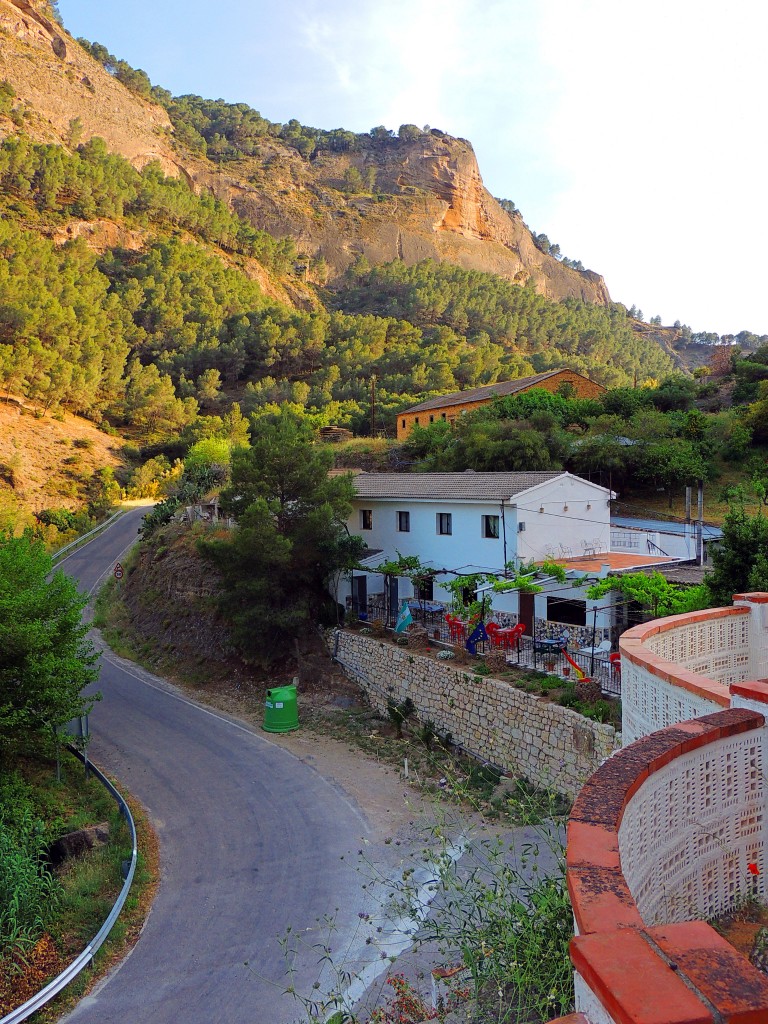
(542,646)
(459,629)
(430,608)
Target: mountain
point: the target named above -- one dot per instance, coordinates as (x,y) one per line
(59,83)
(425,198)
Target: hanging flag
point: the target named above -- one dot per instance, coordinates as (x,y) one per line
(404,619)
(477,634)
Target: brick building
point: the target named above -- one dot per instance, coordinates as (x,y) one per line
(448,407)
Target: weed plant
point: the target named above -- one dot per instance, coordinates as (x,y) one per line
(71,903)
(28,891)
(496,903)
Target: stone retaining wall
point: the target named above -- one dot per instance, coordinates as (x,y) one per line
(552,746)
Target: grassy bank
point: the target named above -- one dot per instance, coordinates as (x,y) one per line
(46,929)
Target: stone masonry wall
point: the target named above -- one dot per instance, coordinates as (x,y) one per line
(550,745)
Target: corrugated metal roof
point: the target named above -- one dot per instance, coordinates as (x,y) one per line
(504,387)
(452,486)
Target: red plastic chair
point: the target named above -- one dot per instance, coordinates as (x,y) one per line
(492,628)
(615,662)
(455,628)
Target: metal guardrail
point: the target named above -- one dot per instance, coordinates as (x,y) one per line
(86,957)
(86,536)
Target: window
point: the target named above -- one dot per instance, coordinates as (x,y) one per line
(403,522)
(403,422)
(366,519)
(415,419)
(574,613)
(442,414)
(425,591)
(431,419)
(491,527)
(444,523)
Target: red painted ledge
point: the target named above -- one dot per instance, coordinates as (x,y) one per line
(671,974)
(755,689)
(632,645)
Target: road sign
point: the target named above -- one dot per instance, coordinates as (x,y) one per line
(118,570)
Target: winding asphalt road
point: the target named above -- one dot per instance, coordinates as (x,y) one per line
(251,842)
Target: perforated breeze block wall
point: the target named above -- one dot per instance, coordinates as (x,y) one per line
(680,667)
(662,832)
(689,832)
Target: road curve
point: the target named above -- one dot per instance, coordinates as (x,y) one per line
(251,841)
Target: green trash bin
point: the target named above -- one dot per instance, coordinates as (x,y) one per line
(281,713)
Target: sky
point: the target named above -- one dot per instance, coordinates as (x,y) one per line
(634,135)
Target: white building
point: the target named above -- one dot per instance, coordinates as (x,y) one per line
(459,524)
(662,537)
(463,523)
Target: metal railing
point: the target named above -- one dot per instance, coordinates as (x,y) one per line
(85,958)
(529,653)
(85,537)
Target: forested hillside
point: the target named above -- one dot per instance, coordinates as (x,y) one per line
(146,336)
(151,306)
(513,328)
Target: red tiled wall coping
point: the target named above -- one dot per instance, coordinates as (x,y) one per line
(632,646)
(668,974)
(756,690)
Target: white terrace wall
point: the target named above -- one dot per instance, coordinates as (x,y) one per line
(671,828)
(690,830)
(550,745)
(682,667)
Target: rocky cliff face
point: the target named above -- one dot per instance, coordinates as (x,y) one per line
(57,82)
(429,199)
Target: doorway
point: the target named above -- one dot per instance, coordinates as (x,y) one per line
(527,612)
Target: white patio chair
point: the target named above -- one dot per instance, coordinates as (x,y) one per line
(601,650)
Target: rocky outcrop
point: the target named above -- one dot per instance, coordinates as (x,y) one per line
(78,843)
(100,235)
(57,82)
(429,201)
(29,22)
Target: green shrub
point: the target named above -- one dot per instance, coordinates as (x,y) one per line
(483,777)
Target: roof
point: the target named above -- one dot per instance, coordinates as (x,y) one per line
(617,561)
(488,391)
(685,573)
(669,526)
(467,486)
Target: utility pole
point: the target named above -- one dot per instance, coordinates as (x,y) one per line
(700,525)
(373,405)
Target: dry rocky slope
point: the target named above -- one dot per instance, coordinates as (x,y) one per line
(46,462)
(431,201)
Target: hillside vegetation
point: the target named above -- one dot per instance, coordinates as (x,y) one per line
(145,337)
(154,306)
